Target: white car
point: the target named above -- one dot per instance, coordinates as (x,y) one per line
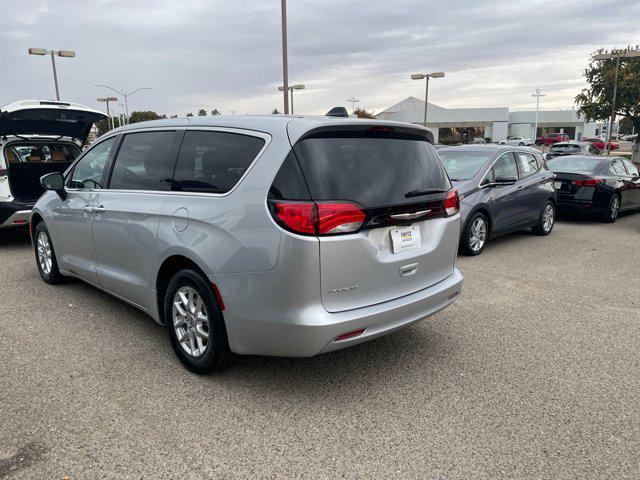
(520,141)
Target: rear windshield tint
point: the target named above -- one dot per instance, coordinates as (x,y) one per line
(573,164)
(570,147)
(461,164)
(373,170)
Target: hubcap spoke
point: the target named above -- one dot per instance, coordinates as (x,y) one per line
(190,321)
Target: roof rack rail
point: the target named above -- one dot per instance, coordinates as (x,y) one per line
(337,112)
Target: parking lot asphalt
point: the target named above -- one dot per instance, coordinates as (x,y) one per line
(533,373)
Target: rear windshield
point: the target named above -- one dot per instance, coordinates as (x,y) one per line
(373,170)
(41,152)
(573,164)
(462,165)
(565,148)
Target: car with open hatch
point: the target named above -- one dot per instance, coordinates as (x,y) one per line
(267,235)
(502,189)
(37,137)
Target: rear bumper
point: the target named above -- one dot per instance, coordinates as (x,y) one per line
(315,330)
(14,214)
(578,206)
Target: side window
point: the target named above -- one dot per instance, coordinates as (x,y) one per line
(289,183)
(617,168)
(87,173)
(214,162)
(527,164)
(144,162)
(505,167)
(539,160)
(593,149)
(631,168)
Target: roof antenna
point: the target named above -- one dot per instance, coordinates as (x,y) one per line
(337,112)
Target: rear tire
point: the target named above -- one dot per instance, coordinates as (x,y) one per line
(546,220)
(194,323)
(610,215)
(521,144)
(46,256)
(474,235)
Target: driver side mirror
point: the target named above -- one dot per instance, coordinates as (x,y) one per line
(54,181)
(505,180)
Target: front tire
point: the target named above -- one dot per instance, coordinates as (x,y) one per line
(46,256)
(194,323)
(610,215)
(546,221)
(474,235)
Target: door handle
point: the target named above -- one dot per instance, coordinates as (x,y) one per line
(87,209)
(408,270)
(99,209)
(519,188)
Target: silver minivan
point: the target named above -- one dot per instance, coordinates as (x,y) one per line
(265,235)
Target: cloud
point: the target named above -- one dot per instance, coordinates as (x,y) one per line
(199,53)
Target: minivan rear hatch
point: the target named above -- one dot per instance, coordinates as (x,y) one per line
(395,177)
(35,117)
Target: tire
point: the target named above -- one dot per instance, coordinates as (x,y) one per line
(46,256)
(610,215)
(469,245)
(538,143)
(521,144)
(202,346)
(546,220)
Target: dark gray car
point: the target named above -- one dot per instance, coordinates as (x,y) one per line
(502,189)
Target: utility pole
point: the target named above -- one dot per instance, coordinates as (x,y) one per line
(285,65)
(537,95)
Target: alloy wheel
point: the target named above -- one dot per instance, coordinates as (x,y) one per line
(548,217)
(45,256)
(190,321)
(477,234)
(615,208)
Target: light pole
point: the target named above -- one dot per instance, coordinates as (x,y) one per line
(537,95)
(285,63)
(617,56)
(53,53)
(107,100)
(291,89)
(126,95)
(420,76)
(353,101)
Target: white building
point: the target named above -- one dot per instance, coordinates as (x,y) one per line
(465,124)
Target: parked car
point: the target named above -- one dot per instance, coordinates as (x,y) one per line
(551,138)
(237,241)
(572,148)
(600,185)
(36,137)
(517,140)
(630,137)
(600,143)
(479,141)
(502,189)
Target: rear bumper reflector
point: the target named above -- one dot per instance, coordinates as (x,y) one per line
(349,335)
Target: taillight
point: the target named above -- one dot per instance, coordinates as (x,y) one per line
(324,218)
(452,202)
(591,182)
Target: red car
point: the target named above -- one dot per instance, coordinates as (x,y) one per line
(551,138)
(600,144)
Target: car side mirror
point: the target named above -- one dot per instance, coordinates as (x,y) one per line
(54,181)
(505,180)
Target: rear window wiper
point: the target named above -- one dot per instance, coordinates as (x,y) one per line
(419,193)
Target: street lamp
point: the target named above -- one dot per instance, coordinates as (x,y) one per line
(107,100)
(617,56)
(126,95)
(420,76)
(353,101)
(53,53)
(285,63)
(537,95)
(291,89)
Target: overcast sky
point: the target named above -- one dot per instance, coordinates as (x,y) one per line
(227,54)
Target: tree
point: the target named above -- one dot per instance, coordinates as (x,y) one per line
(626,126)
(136,116)
(215,112)
(275,112)
(103,126)
(189,114)
(594,102)
(202,112)
(362,113)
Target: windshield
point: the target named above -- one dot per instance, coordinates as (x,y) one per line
(573,164)
(563,148)
(373,170)
(463,165)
